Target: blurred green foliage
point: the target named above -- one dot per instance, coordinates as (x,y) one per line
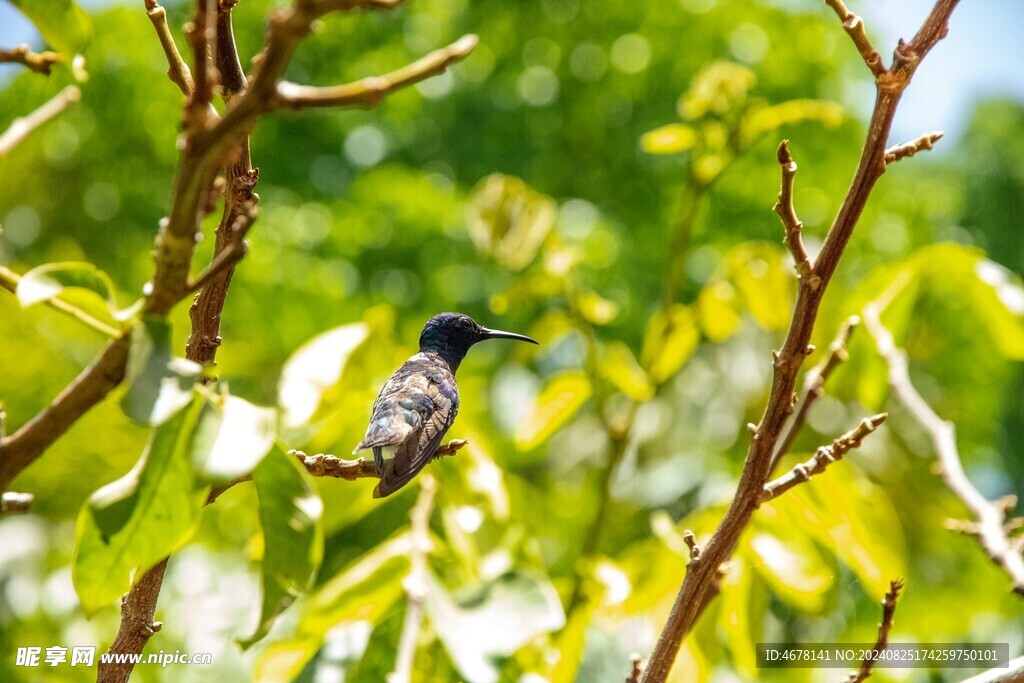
(538,187)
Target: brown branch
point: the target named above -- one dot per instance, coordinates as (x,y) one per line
(23,125)
(137,626)
(177,70)
(854,26)
(415,583)
(40,62)
(636,663)
(822,458)
(989,526)
(9,281)
(882,642)
(792,224)
(909,149)
(20,449)
(691,599)
(368,92)
(814,387)
(322,465)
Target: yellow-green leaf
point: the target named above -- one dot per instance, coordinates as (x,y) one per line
(621,368)
(557,402)
(718,308)
(669,341)
(767,119)
(510,219)
(670,139)
(596,308)
(718,89)
(63,24)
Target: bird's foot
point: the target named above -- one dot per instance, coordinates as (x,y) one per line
(450,448)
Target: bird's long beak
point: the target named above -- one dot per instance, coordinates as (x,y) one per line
(500,334)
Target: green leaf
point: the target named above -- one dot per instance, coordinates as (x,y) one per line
(314,369)
(764,120)
(669,341)
(365,590)
(670,139)
(131,524)
(290,513)
(232,438)
(159,383)
(63,24)
(621,368)
(510,220)
(51,280)
(557,402)
(719,88)
(742,615)
(718,307)
(476,629)
(596,308)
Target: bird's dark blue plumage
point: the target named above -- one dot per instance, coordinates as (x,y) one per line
(419,402)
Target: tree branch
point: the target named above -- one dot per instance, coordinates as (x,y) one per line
(415,583)
(700,575)
(40,62)
(22,126)
(322,465)
(137,626)
(792,224)
(882,642)
(909,149)
(1012,673)
(989,527)
(636,663)
(822,458)
(368,92)
(178,70)
(854,26)
(814,387)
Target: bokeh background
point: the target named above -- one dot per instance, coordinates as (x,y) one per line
(376,220)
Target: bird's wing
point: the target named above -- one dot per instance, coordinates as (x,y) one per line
(396,413)
(442,405)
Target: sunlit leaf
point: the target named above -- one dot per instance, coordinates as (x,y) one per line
(232,437)
(292,538)
(131,524)
(718,89)
(669,341)
(159,383)
(510,219)
(363,591)
(788,559)
(744,605)
(557,402)
(764,279)
(767,119)
(621,368)
(596,308)
(476,628)
(670,139)
(51,280)
(63,24)
(718,307)
(314,369)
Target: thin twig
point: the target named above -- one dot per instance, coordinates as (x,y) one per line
(369,92)
(636,663)
(989,524)
(822,458)
(909,149)
(40,62)
(323,465)
(415,583)
(793,225)
(854,25)
(700,576)
(22,126)
(814,387)
(882,642)
(177,70)
(9,281)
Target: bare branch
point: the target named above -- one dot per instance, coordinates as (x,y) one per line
(178,70)
(882,642)
(854,26)
(415,583)
(22,126)
(40,62)
(636,663)
(137,626)
(822,458)
(909,149)
(322,465)
(9,281)
(792,224)
(989,525)
(368,92)
(814,387)
(701,576)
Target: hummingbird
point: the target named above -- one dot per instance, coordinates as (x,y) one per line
(419,402)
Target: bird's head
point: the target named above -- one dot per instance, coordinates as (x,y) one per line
(451,334)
